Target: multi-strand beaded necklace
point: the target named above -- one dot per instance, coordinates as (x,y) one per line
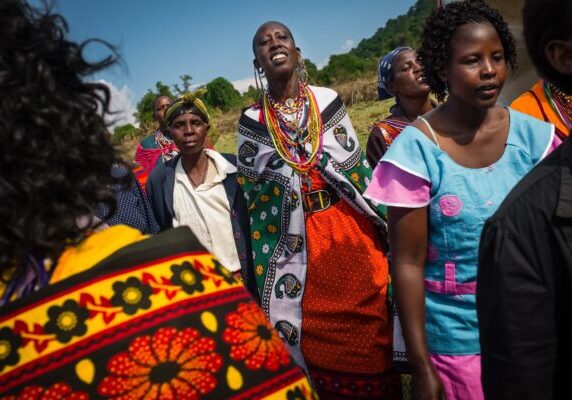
(560,102)
(290,137)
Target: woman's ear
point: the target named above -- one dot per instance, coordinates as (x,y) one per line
(559,55)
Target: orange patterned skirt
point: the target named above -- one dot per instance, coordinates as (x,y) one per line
(346,325)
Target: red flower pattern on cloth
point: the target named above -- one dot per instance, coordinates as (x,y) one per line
(253,339)
(58,391)
(170,364)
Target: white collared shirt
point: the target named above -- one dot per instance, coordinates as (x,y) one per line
(205,209)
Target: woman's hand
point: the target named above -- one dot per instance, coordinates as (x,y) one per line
(426,385)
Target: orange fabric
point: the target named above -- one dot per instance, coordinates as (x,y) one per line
(527,104)
(346,287)
(141,175)
(390,129)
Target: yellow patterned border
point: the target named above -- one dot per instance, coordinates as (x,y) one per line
(79,315)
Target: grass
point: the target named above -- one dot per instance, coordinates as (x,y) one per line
(362,115)
(360,96)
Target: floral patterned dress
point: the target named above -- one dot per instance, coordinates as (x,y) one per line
(320,267)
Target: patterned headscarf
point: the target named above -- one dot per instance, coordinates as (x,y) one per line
(384,72)
(189,103)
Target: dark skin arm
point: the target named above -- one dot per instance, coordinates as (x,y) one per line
(376,147)
(408,239)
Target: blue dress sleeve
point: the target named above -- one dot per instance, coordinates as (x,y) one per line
(531,135)
(413,153)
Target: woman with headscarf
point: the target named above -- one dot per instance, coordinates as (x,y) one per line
(91,312)
(318,245)
(399,75)
(198,189)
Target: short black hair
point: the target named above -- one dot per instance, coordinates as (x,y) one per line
(439,29)
(543,21)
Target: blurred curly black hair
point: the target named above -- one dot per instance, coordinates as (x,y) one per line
(55,158)
(543,21)
(439,29)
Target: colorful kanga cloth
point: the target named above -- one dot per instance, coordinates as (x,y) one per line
(416,173)
(535,102)
(159,318)
(155,148)
(381,138)
(280,240)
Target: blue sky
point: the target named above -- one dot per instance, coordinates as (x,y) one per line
(160,40)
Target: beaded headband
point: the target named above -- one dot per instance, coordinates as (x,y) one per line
(188,103)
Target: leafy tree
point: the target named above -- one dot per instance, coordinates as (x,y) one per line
(251,96)
(404,30)
(185,85)
(123,132)
(144,113)
(345,67)
(222,95)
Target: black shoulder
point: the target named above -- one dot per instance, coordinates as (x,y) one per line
(231,158)
(249,123)
(332,109)
(161,170)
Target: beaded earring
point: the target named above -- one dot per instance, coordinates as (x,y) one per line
(301,70)
(258,75)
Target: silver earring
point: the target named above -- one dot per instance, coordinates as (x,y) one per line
(258,75)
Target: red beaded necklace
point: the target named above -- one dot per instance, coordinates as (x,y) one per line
(291,147)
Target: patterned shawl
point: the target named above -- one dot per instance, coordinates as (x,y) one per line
(390,129)
(160,319)
(153,149)
(273,193)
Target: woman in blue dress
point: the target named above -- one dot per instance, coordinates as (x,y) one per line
(442,178)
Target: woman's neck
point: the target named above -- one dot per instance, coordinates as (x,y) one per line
(463,118)
(194,162)
(284,89)
(411,108)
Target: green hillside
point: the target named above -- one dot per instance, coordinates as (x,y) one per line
(404,30)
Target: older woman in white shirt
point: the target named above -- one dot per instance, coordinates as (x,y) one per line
(198,189)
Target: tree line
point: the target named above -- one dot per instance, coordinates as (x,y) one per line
(359,62)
